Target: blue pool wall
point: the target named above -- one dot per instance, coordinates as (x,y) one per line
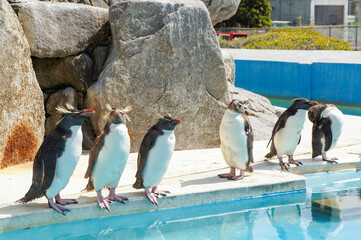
(325,76)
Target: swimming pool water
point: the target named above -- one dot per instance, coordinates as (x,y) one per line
(329,209)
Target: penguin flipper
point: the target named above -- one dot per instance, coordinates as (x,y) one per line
(281,123)
(272,152)
(44,165)
(147,144)
(325,125)
(97,145)
(316,141)
(249,133)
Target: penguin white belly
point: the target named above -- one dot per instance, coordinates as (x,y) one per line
(287,138)
(234,141)
(158,159)
(112,158)
(336,118)
(65,165)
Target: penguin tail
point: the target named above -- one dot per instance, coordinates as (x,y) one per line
(138,183)
(32,194)
(249,168)
(270,155)
(89,187)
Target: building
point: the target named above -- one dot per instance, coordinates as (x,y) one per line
(310,12)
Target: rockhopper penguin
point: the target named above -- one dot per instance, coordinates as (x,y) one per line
(57,158)
(236,141)
(286,133)
(108,156)
(154,155)
(327,125)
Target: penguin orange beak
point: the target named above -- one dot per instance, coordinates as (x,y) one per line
(313,103)
(176,121)
(87,112)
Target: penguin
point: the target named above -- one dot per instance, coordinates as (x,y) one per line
(154,156)
(108,157)
(327,126)
(57,158)
(236,141)
(286,133)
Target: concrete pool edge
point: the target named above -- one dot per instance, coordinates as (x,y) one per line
(41,215)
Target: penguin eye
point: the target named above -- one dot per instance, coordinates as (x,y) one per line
(73,115)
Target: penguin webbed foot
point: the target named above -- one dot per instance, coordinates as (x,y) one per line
(225,175)
(284,166)
(297,163)
(328,159)
(151,196)
(116,198)
(161,192)
(234,178)
(230,175)
(58,207)
(64,201)
(102,202)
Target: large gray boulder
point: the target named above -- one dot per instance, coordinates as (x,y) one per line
(61,29)
(221,10)
(58,73)
(21,100)
(165,59)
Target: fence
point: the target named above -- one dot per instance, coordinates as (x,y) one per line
(349,33)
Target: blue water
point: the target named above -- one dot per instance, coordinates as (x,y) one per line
(329,209)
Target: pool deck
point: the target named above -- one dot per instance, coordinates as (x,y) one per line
(191,178)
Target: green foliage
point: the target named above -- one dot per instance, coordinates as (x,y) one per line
(235,43)
(251,14)
(294,39)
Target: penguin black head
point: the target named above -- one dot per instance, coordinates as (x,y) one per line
(314,114)
(117,115)
(303,103)
(237,106)
(167,123)
(72,117)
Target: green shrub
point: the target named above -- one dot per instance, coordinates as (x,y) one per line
(251,14)
(294,39)
(235,43)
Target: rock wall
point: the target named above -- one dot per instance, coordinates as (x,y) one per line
(21,100)
(59,30)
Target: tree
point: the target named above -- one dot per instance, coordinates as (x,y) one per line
(250,13)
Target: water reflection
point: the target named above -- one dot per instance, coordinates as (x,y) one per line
(326,216)
(287,221)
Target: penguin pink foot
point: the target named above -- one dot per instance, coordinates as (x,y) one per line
(115,198)
(229,175)
(102,202)
(239,177)
(159,192)
(151,196)
(57,207)
(64,201)
(283,164)
(291,161)
(327,159)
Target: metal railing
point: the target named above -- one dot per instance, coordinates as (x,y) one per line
(349,33)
